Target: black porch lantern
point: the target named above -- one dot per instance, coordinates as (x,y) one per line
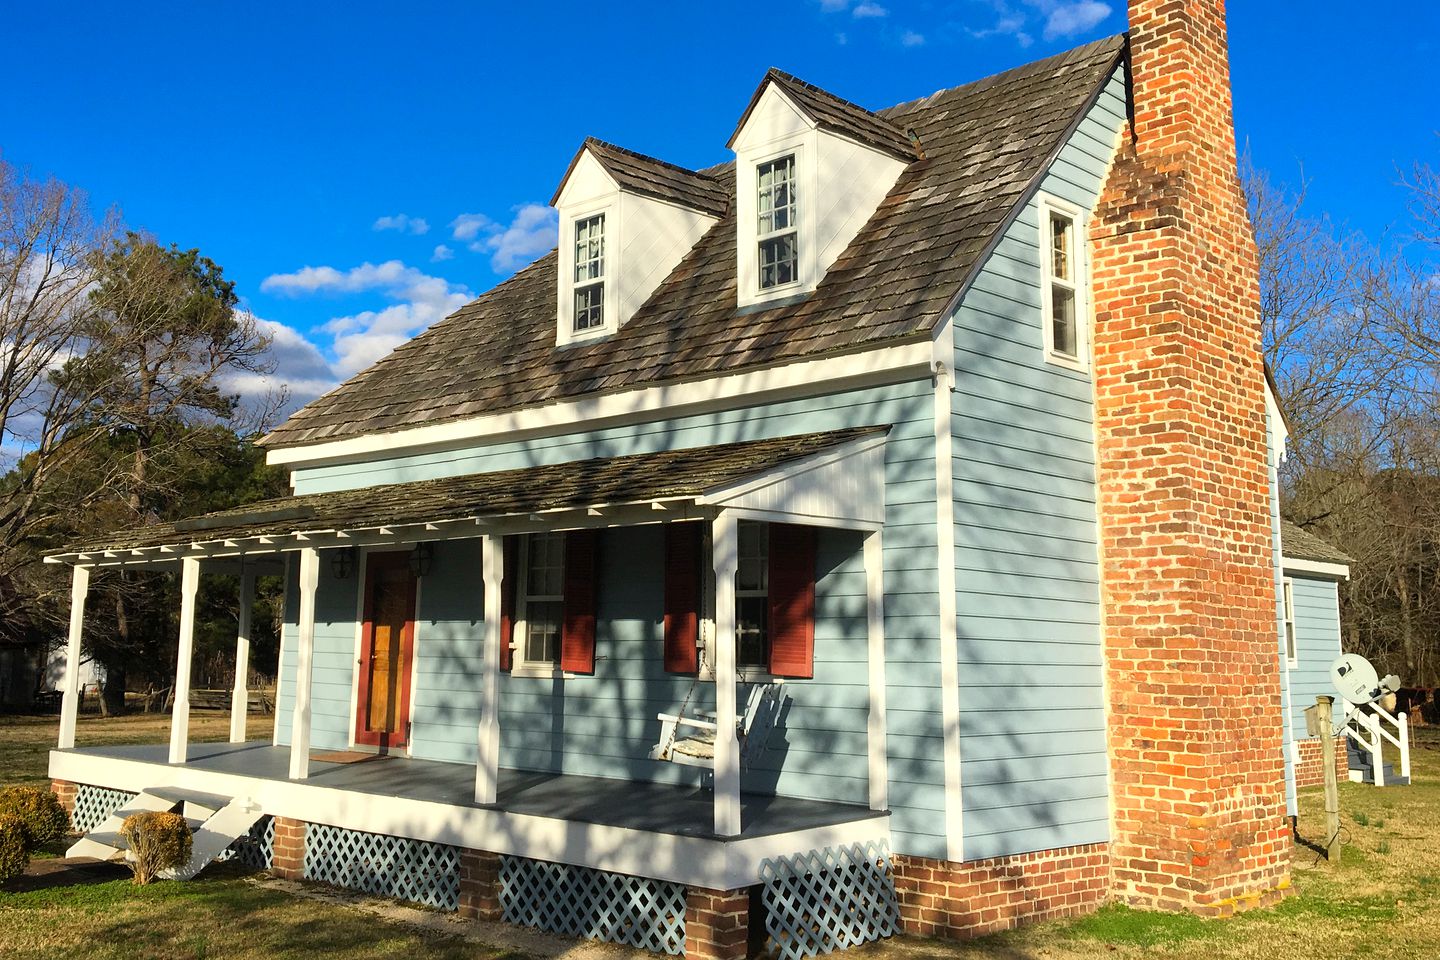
(342,561)
(421,558)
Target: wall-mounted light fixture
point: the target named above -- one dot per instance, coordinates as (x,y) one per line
(342,561)
(421,559)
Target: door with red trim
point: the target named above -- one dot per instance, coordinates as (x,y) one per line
(387,640)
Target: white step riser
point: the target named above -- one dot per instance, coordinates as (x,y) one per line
(144,803)
(213,838)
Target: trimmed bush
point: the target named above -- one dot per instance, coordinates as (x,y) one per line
(156,841)
(40,810)
(14,852)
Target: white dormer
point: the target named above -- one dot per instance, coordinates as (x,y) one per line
(810,170)
(626,220)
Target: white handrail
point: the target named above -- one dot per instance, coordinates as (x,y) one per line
(1372,736)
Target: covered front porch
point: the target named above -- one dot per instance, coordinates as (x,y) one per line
(501,799)
(659,831)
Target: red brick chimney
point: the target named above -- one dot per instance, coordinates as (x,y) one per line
(1191,644)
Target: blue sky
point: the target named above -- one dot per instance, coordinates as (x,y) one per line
(360,169)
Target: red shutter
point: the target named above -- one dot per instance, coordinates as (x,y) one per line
(509,587)
(577,631)
(792,600)
(684,543)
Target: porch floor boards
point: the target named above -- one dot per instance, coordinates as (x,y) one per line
(652,807)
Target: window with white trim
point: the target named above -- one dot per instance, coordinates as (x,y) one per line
(1288,592)
(589,273)
(752,596)
(776,232)
(541,600)
(1063,266)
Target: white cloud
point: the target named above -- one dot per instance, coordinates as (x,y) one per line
(868,8)
(360,339)
(404,223)
(442,253)
(300,369)
(912,39)
(841,39)
(834,6)
(468,226)
(534,230)
(1066,19)
(1009,22)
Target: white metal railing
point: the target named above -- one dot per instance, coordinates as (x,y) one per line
(1368,729)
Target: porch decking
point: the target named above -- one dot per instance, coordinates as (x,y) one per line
(647,829)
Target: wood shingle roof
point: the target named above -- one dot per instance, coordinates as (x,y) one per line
(986,146)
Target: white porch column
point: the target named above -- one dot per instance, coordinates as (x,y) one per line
(70,704)
(180,711)
(487,758)
(725,557)
(240,698)
(305,654)
(875,627)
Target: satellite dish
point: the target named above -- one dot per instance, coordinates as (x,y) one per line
(1355,679)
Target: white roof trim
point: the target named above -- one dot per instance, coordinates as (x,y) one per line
(882,365)
(1318,568)
(840,487)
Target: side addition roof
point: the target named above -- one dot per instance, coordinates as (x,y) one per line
(1300,544)
(987,145)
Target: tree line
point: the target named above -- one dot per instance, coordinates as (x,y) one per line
(117,358)
(1351,328)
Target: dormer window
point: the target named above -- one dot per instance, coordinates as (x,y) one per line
(776,229)
(810,171)
(633,219)
(590,273)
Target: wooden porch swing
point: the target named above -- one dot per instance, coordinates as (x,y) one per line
(697,749)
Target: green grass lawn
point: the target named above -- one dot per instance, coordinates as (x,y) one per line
(1382,901)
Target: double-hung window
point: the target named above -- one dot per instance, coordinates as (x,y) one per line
(542,598)
(1288,592)
(752,596)
(589,273)
(1064,286)
(776,230)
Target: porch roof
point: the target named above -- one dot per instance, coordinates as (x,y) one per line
(664,484)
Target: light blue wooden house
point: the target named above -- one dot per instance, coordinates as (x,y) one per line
(796,451)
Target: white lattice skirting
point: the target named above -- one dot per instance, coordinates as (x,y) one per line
(584,902)
(414,870)
(830,899)
(93,806)
(256,849)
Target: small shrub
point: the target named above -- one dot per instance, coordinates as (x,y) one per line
(1384,848)
(14,851)
(157,841)
(39,810)
(1361,817)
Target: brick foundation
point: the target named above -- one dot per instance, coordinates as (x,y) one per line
(963,900)
(479,885)
(289,857)
(1188,575)
(717,924)
(66,791)
(1310,770)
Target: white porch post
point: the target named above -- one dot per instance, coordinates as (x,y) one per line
(240,698)
(875,626)
(305,654)
(487,758)
(180,712)
(70,704)
(725,557)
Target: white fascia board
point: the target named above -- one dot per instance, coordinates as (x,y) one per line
(882,365)
(1316,568)
(1279,432)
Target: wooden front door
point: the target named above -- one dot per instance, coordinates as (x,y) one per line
(383,716)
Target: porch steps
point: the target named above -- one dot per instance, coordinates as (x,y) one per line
(1362,767)
(215,823)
